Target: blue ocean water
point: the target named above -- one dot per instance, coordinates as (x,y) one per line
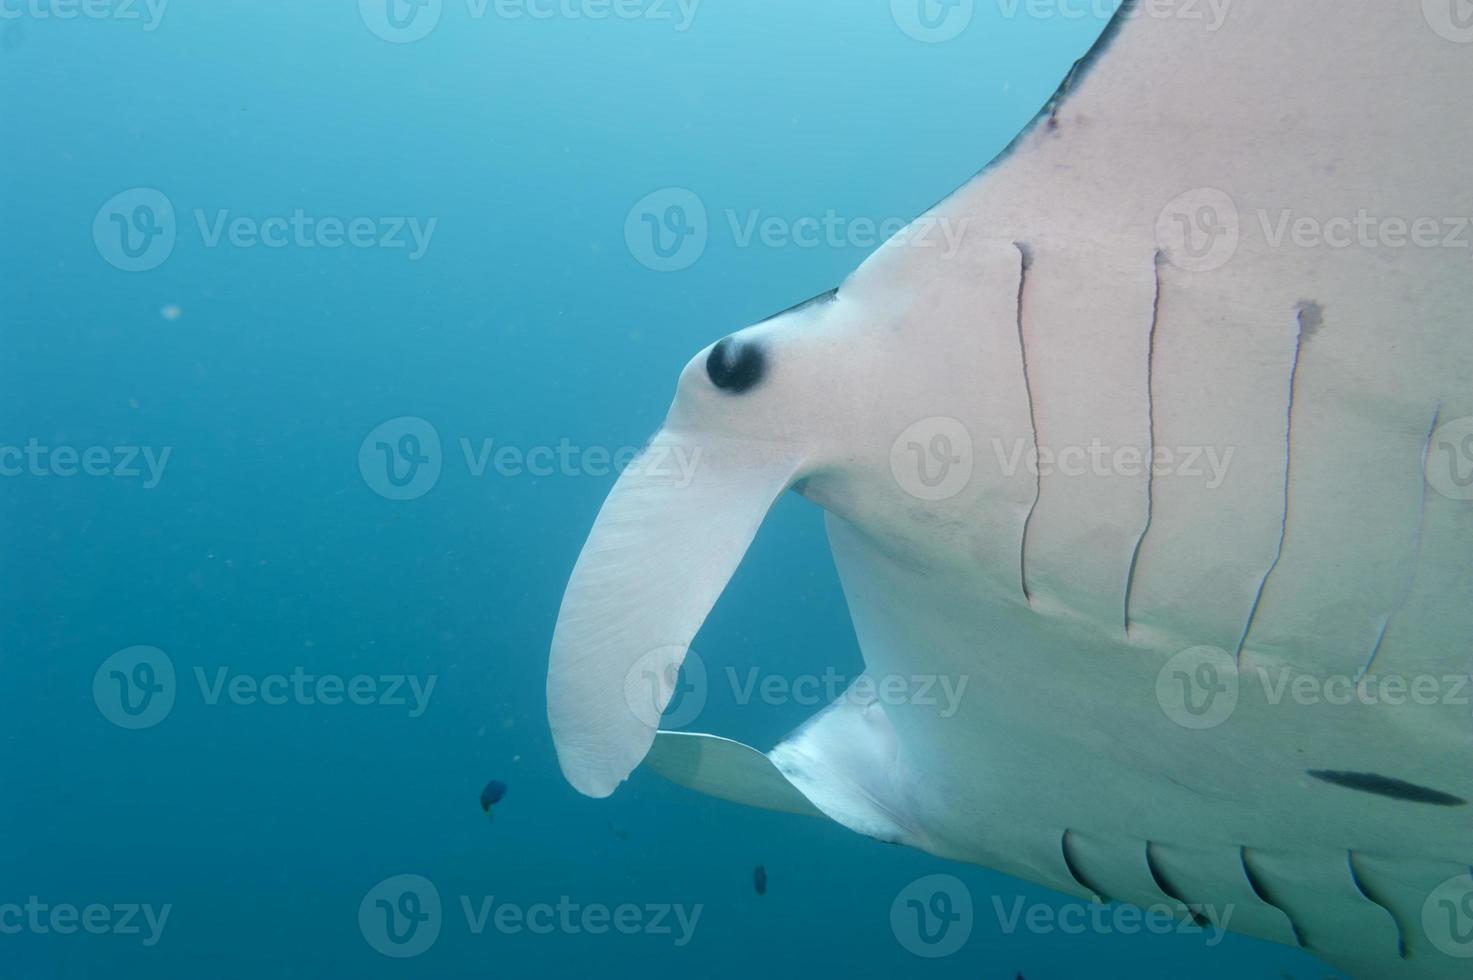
(250,249)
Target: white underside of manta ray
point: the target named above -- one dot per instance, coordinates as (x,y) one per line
(1135,273)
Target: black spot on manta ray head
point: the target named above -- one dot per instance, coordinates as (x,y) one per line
(1387,786)
(736,367)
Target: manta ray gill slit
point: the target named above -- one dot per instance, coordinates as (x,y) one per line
(736,367)
(1025,264)
(1308,316)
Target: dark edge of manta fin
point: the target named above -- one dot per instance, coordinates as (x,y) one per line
(1394,789)
(1078,72)
(827,296)
(1081,68)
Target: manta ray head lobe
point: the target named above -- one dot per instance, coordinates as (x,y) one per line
(736,367)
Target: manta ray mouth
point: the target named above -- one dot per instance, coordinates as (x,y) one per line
(664,546)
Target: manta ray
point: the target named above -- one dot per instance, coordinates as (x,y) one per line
(1243,689)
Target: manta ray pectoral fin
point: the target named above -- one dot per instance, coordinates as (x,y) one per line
(844,760)
(840,764)
(664,546)
(727,770)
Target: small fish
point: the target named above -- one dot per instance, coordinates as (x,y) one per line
(759,879)
(491,795)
